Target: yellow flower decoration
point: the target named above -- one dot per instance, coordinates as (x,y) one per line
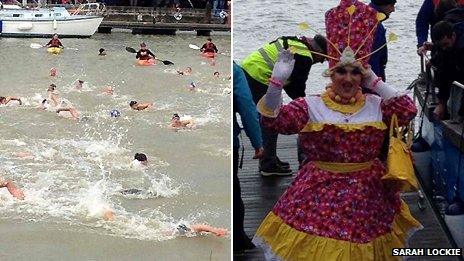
(392,37)
(351,9)
(381,16)
(303,26)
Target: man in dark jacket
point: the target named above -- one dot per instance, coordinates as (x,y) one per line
(378,60)
(258,69)
(448,42)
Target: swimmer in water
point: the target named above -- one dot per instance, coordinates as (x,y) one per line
(216,74)
(71,112)
(109,90)
(177,123)
(7,99)
(140,160)
(187,71)
(44,105)
(79,84)
(140,106)
(102,52)
(53,72)
(53,95)
(14,191)
(192,87)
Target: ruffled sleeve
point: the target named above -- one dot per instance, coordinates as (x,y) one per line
(290,118)
(403,106)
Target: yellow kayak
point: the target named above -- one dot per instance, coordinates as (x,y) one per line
(54,50)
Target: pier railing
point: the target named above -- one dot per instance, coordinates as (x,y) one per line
(455,101)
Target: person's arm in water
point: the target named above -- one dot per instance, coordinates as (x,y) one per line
(74,112)
(60,44)
(220,232)
(14,191)
(12,98)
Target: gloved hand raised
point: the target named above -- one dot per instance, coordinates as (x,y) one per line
(284,66)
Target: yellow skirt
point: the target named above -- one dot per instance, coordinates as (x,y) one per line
(283,242)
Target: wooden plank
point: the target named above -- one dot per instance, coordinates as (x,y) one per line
(259,194)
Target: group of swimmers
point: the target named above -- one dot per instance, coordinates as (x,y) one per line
(65,109)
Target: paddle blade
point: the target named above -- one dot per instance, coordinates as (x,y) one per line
(166,62)
(36,45)
(192,46)
(303,26)
(131,50)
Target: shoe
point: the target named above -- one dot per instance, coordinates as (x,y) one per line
(283,164)
(243,245)
(275,171)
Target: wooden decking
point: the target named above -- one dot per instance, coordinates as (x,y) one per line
(259,195)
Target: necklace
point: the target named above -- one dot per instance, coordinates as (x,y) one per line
(337,98)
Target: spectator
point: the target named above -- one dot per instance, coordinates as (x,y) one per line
(258,68)
(378,60)
(244,106)
(448,41)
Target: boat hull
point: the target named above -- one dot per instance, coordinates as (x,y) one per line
(78,27)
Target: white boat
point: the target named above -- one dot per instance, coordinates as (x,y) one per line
(44,22)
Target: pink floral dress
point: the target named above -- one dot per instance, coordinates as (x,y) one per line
(327,214)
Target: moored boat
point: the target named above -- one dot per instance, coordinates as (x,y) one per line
(44,22)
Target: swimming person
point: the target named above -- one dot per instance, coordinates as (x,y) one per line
(140,161)
(108,90)
(144,53)
(53,72)
(54,42)
(68,112)
(187,71)
(140,106)
(53,95)
(192,86)
(7,99)
(14,191)
(102,52)
(177,123)
(79,84)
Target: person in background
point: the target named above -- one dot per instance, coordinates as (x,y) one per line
(102,52)
(54,42)
(7,99)
(144,53)
(448,41)
(140,106)
(258,68)
(243,105)
(14,191)
(79,84)
(209,46)
(187,71)
(378,60)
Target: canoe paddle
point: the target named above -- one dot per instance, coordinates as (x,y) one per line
(37,46)
(165,62)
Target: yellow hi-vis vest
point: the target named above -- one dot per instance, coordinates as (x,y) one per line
(260,63)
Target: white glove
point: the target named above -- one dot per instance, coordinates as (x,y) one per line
(371,82)
(284,66)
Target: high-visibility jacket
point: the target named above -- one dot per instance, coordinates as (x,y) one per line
(260,63)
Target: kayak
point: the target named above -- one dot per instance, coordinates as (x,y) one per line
(54,50)
(208,55)
(146,62)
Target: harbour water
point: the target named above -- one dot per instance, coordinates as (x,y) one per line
(72,171)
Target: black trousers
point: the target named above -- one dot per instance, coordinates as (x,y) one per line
(239,209)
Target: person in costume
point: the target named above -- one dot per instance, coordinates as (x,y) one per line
(339,207)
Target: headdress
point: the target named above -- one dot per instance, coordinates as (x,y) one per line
(350,31)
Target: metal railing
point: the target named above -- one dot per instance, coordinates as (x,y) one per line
(455,101)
